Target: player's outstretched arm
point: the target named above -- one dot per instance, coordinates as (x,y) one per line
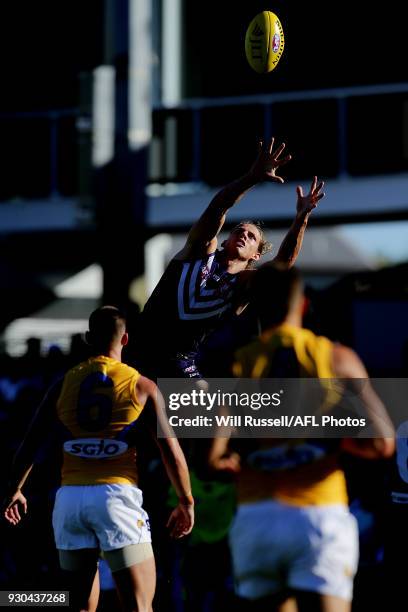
(292,243)
(203,234)
(181,520)
(40,428)
(347,365)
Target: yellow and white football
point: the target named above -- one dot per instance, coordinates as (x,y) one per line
(264,42)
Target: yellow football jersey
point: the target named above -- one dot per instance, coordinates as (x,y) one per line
(98,408)
(312,353)
(289,351)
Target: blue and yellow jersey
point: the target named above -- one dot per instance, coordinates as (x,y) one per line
(316,478)
(98,407)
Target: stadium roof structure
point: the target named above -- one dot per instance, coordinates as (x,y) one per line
(175,206)
(348,200)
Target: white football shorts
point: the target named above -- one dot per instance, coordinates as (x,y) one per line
(277,546)
(105,516)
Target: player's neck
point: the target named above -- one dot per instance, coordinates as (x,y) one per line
(115,353)
(294,319)
(234,265)
(112,352)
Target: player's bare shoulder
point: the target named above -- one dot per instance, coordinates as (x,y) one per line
(145,388)
(346,363)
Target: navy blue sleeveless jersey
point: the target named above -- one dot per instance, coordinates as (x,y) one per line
(188,303)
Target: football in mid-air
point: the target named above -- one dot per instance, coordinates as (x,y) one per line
(264,42)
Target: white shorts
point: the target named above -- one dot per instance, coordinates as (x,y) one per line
(276,546)
(106,516)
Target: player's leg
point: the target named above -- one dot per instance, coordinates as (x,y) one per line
(289,605)
(81,571)
(122,526)
(77,548)
(316,602)
(93,598)
(134,571)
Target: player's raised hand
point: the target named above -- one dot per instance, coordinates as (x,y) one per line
(306,203)
(181,520)
(268,162)
(13,510)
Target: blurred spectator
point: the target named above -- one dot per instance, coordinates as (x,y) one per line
(79,350)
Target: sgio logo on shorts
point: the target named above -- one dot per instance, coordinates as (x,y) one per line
(95,448)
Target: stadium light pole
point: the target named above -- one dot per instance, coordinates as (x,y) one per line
(172,52)
(121,136)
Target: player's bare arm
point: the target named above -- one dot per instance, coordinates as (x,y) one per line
(203,235)
(39,430)
(181,520)
(292,243)
(347,365)
(16,506)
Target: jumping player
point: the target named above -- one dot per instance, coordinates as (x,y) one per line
(202,285)
(97,407)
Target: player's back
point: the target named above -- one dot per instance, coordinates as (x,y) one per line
(98,407)
(296,471)
(286,351)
